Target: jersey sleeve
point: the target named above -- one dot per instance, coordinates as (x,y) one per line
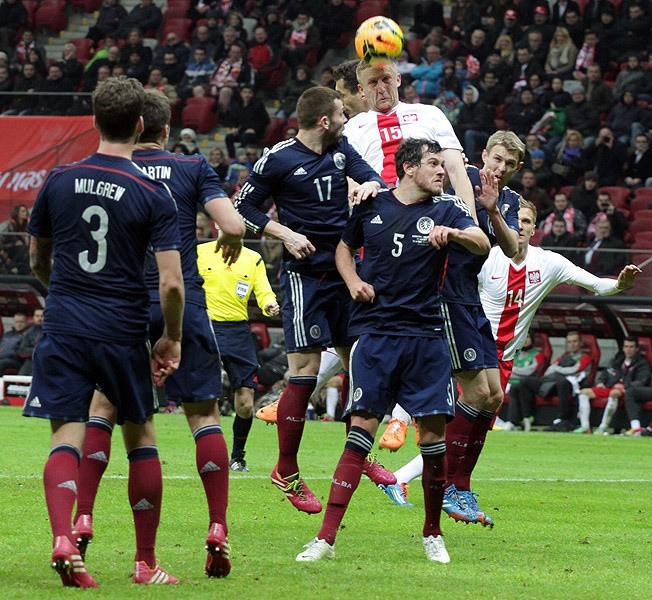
(163,225)
(210,186)
(353,235)
(567,272)
(443,130)
(39,221)
(257,188)
(458,215)
(357,167)
(509,210)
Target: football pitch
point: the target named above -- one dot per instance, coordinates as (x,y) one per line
(572,520)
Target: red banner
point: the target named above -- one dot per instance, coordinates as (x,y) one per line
(31,146)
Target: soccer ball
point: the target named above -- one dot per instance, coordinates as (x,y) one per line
(378,39)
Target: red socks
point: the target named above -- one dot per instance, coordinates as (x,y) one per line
(60,477)
(433,481)
(212,459)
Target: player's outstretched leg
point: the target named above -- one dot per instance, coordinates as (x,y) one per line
(376,472)
(398,494)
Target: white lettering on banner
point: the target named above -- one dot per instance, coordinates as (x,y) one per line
(16,181)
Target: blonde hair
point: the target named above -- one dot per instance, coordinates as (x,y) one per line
(509,140)
(529,205)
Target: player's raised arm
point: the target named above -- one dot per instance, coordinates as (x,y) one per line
(459,179)
(487,195)
(361,291)
(231,226)
(603,286)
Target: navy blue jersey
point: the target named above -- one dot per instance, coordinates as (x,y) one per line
(405,270)
(310,191)
(192,182)
(102,213)
(461,282)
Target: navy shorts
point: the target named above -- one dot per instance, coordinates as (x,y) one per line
(199,376)
(315,312)
(237,352)
(68,368)
(413,371)
(472,345)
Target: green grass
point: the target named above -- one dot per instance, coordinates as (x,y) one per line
(572,520)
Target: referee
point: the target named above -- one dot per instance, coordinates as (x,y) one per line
(228,288)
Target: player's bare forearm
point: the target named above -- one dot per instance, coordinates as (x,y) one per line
(360,290)
(40,258)
(472,238)
(229,221)
(459,178)
(506,237)
(172,292)
(297,244)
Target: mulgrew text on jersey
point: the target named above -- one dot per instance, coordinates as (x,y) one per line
(190,180)
(405,270)
(98,227)
(461,282)
(310,191)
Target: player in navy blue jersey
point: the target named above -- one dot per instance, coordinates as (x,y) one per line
(197,382)
(91,227)
(401,352)
(472,345)
(306,176)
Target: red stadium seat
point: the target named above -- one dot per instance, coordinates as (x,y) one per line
(640,203)
(644,213)
(535,240)
(87,6)
(31,6)
(413,48)
(566,189)
(177,9)
(590,346)
(84,48)
(369,9)
(199,114)
(638,224)
(645,347)
(642,239)
(275,77)
(619,195)
(261,332)
(273,132)
(179,26)
(51,17)
(542,340)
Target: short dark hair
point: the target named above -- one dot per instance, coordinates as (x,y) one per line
(156,115)
(630,338)
(117,106)
(346,72)
(315,103)
(411,152)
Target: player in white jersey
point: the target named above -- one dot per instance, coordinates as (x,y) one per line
(377,133)
(511,291)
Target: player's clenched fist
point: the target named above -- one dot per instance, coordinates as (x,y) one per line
(439,236)
(361,291)
(299,246)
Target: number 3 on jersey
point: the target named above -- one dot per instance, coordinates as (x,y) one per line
(99,229)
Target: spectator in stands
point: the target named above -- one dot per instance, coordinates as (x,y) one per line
(437,38)
(202,37)
(584,196)
(326,78)
(570,161)
(505,47)
(581,115)
(336,18)
(301,39)
(37,58)
(541,170)
(136,68)
(290,92)
(29,82)
(608,158)
(465,17)
(9,357)
(198,72)
(626,371)
(551,127)
(111,59)
(537,46)
(229,37)
(404,67)
(607,210)
(426,15)
(476,45)
(262,57)
(6,85)
(608,30)
(562,377)
(246,120)
(27,43)
(559,239)
(631,78)
(410,95)
(231,73)
(561,54)
(591,52)
(146,17)
(426,75)
(524,113)
(560,8)
(638,170)
(275,29)
(530,191)
(524,67)
(563,209)
(491,92)
(604,263)
(541,21)
(219,161)
(499,68)
(526,363)
(135,44)
(156,81)
(203,224)
(13,18)
(626,119)
(171,69)
(175,45)
(598,93)
(634,400)
(475,122)
(188,137)
(234,19)
(55,82)
(573,22)
(71,68)
(28,342)
(109,20)
(635,30)
(509,26)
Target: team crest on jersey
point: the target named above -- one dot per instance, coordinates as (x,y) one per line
(315,332)
(357,394)
(470,354)
(534,276)
(241,289)
(425,225)
(340,160)
(410,118)
(504,209)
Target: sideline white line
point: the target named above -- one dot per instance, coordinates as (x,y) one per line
(322,478)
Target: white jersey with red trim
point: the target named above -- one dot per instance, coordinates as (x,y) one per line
(511,294)
(376,136)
